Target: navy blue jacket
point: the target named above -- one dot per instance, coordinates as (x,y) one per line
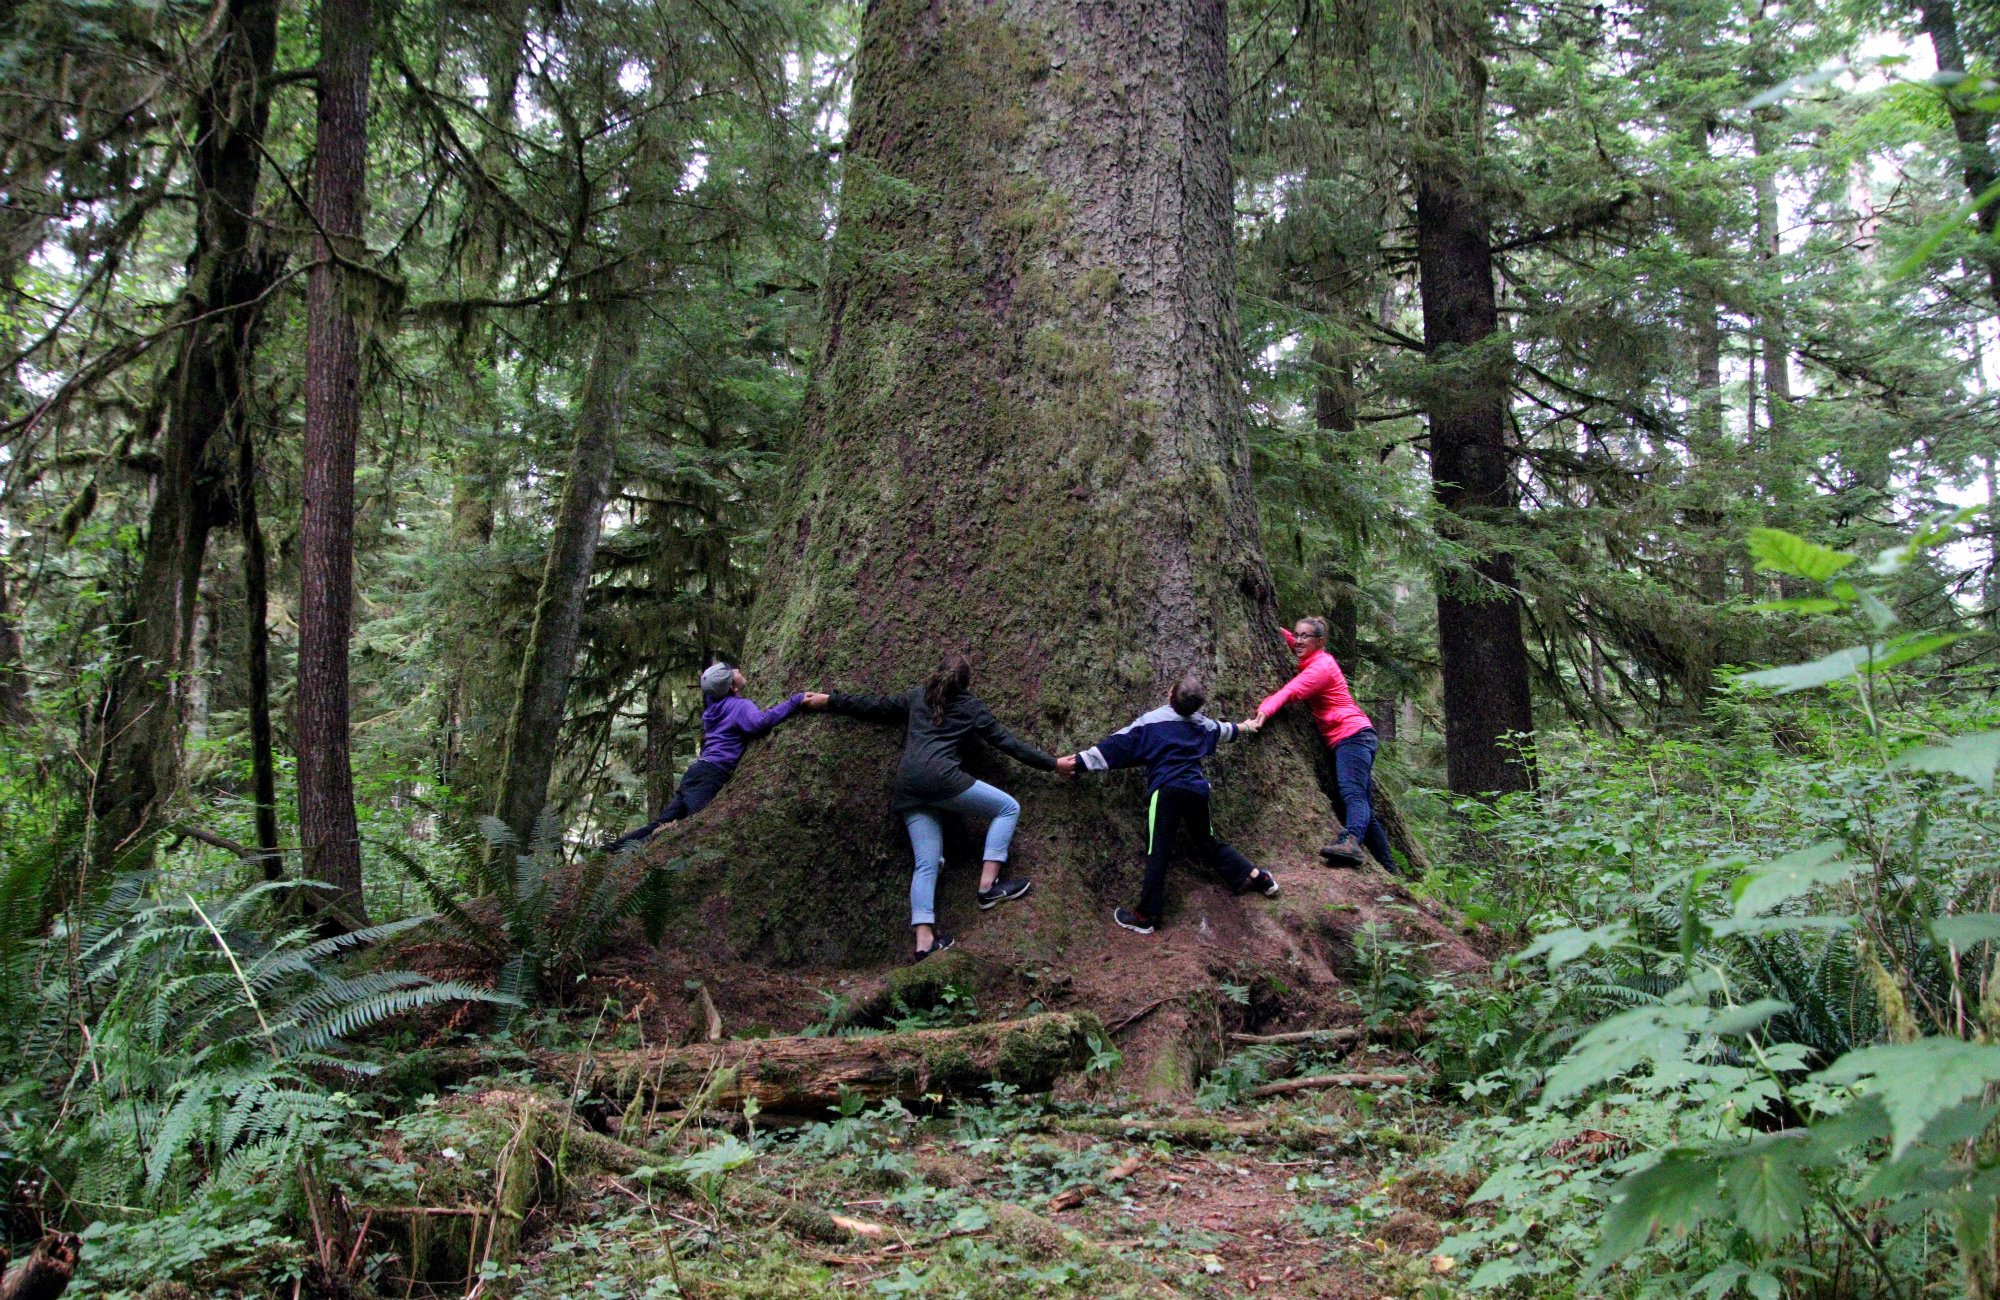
(1171,747)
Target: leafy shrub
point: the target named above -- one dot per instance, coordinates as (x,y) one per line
(1803,1061)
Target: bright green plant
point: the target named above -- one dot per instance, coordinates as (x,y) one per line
(1810,1092)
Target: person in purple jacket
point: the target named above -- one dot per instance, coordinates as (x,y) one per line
(727,724)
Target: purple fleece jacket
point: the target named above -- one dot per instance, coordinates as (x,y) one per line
(732,720)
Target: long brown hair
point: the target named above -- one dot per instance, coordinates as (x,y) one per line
(951,680)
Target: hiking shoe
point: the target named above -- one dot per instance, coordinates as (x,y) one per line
(1132,921)
(1003,891)
(1263,882)
(1344,852)
(939,942)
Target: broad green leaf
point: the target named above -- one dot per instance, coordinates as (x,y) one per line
(1672,1195)
(1568,944)
(1974,757)
(1660,1036)
(1905,648)
(1967,928)
(1766,1188)
(1916,1082)
(1802,677)
(1777,551)
(1743,1019)
(1762,888)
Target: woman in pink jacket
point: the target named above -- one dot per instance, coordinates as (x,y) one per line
(1322,687)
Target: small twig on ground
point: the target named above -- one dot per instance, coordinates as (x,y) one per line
(1142,1013)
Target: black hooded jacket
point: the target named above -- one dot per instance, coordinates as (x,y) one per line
(931,771)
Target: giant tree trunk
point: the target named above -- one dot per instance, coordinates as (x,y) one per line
(328,834)
(137,733)
(1024,440)
(1483,654)
(543,684)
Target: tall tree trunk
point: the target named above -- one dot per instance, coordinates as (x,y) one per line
(1333,413)
(657,768)
(543,685)
(475,697)
(1481,647)
(13,669)
(1972,128)
(257,651)
(1024,438)
(1706,484)
(1771,324)
(328,834)
(136,740)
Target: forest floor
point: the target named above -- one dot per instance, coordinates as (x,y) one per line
(1004,1200)
(1154,1170)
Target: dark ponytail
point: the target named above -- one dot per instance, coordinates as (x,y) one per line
(951,680)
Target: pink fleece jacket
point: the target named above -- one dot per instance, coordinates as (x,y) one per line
(1323,687)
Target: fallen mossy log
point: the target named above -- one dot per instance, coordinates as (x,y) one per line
(1278,1131)
(805,1076)
(1319,1081)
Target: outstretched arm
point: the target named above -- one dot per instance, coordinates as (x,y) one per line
(755,721)
(1305,684)
(875,708)
(989,729)
(1119,749)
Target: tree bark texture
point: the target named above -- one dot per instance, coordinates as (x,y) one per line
(14,698)
(1481,648)
(542,686)
(137,740)
(1023,440)
(257,655)
(328,834)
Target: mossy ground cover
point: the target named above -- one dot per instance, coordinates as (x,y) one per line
(1001,1198)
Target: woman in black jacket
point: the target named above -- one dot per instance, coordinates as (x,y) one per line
(939,715)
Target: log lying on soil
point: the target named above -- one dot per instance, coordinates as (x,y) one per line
(805,1076)
(1278,1131)
(1329,1081)
(45,1273)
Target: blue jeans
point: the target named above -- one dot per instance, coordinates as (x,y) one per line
(1354,770)
(927,839)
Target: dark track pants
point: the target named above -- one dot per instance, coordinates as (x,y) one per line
(1170,814)
(699,786)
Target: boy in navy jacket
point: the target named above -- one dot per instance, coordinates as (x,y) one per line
(1171,742)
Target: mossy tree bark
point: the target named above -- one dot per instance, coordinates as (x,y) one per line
(136,739)
(1024,439)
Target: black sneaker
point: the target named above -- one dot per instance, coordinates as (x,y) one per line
(1003,891)
(1344,852)
(1263,882)
(939,942)
(1132,921)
